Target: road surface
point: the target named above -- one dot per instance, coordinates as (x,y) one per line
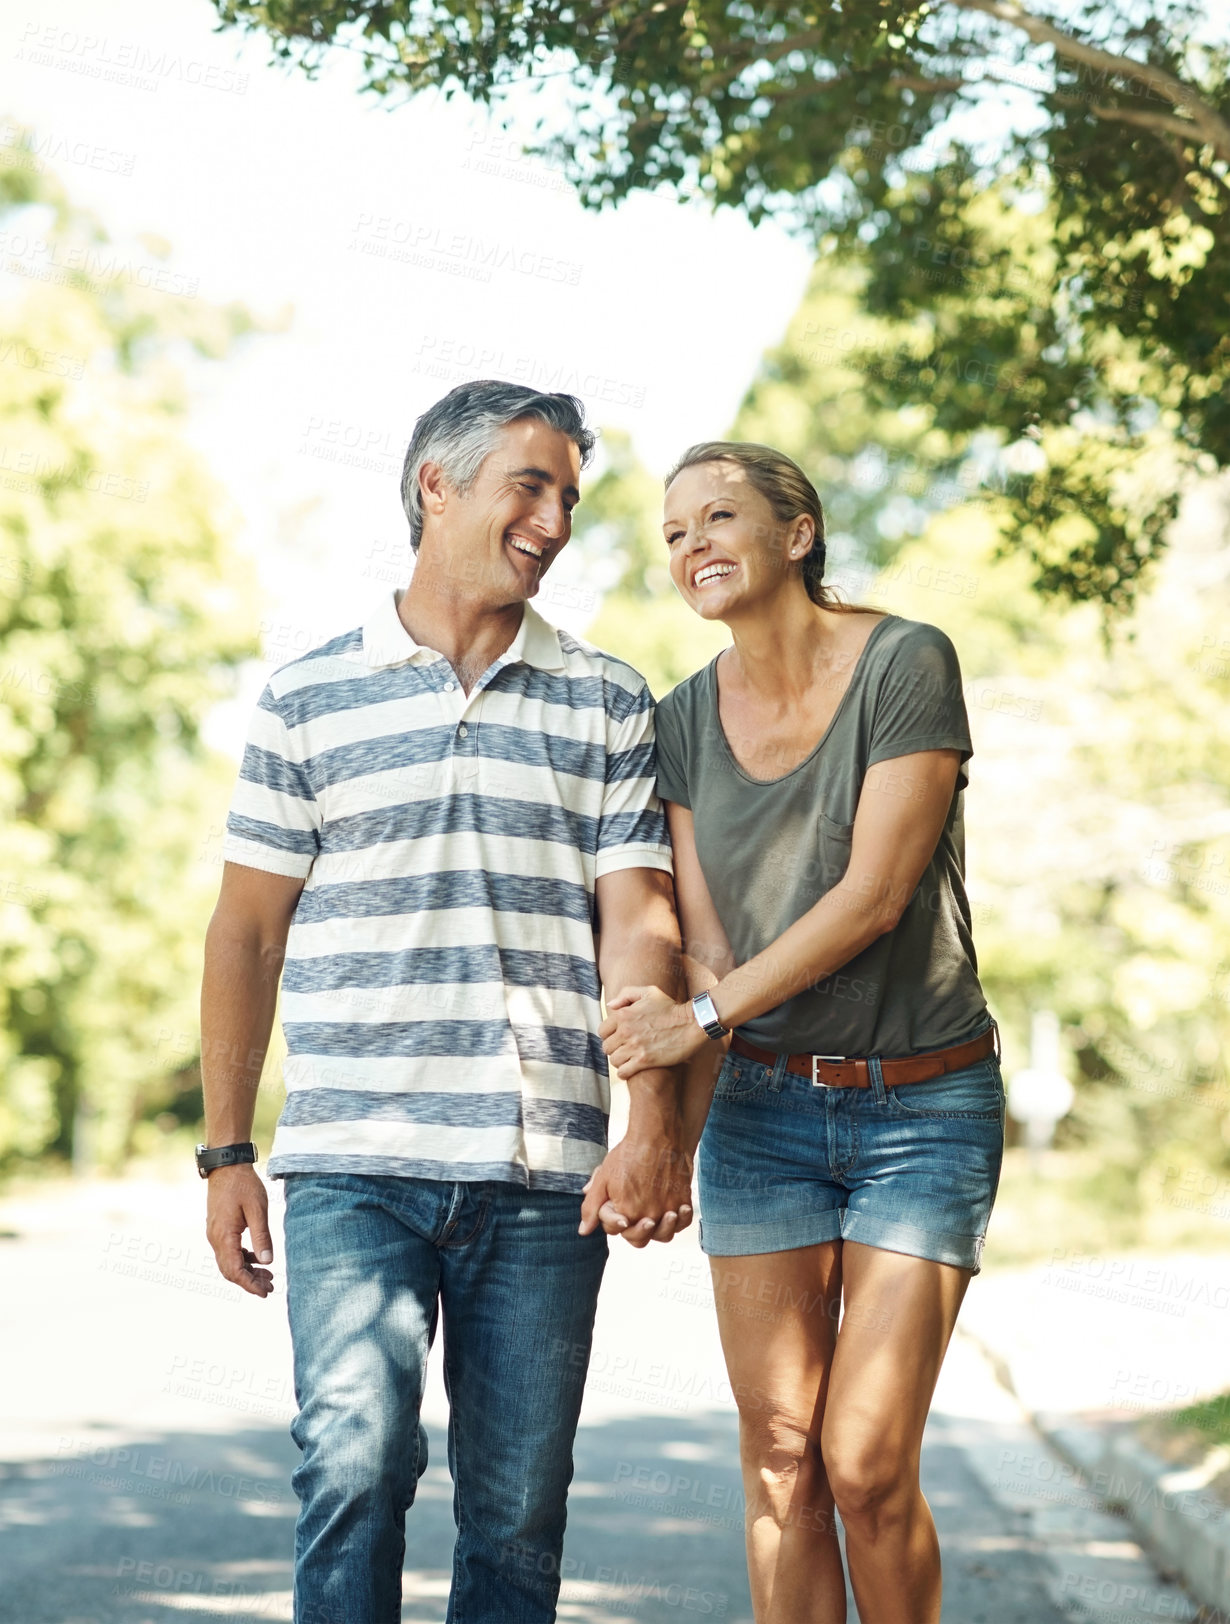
(146,1460)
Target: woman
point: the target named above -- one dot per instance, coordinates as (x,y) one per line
(851,1154)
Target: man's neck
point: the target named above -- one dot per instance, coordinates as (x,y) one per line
(469,633)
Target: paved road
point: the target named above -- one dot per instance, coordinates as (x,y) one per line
(145,1458)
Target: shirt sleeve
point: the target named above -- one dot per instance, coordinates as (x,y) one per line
(921,701)
(632,831)
(672,764)
(274,821)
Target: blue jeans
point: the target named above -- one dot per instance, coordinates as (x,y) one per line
(369,1260)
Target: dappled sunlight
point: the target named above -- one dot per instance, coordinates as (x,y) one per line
(1005,371)
(275,1605)
(196,1519)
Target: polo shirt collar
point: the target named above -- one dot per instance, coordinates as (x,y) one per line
(537,642)
(387,642)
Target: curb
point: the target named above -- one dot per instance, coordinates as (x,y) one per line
(1181,1522)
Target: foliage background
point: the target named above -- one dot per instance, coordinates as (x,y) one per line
(124,614)
(1036,193)
(1099,807)
(1098,813)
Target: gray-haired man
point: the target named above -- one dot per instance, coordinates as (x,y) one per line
(446,826)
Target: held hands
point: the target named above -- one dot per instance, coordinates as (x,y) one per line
(643,1189)
(640,1177)
(645,1028)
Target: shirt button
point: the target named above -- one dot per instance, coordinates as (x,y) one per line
(449,686)
(464,731)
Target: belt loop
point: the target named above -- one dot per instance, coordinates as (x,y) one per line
(875,1076)
(999,1053)
(778,1075)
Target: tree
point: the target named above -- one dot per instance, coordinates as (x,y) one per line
(1098,813)
(124,613)
(1102,135)
(1098,844)
(882,473)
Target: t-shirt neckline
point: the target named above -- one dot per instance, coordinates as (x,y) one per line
(768,783)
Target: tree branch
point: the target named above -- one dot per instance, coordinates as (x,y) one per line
(1185,127)
(815,87)
(927,87)
(1211,125)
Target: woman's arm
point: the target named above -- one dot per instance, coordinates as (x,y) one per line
(901,813)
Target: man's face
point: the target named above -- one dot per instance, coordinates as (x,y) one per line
(501,536)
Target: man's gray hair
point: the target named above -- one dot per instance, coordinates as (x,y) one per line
(460,430)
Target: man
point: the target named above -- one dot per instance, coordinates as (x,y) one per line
(445,837)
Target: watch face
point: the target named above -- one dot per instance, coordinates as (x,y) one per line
(707,1015)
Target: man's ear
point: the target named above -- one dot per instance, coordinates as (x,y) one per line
(434,488)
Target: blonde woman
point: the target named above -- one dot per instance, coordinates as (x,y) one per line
(813,775)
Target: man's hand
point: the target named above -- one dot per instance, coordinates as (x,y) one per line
(644,1029)
(642,1191)
(237,1200)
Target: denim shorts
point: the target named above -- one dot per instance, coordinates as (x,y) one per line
(784,1163)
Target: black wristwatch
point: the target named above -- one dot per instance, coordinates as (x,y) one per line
(223,1156)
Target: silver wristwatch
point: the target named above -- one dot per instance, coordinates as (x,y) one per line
(707,1015)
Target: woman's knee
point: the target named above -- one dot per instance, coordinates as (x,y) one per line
(781,1455)
(867,1481)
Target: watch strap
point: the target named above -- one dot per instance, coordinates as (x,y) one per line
(208,1159)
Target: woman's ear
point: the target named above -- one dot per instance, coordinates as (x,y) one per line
(802,535)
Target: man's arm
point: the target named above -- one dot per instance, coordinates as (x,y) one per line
(244,949)
(649,1173)
(707,957)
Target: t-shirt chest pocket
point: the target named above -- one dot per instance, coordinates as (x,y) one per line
(832,851)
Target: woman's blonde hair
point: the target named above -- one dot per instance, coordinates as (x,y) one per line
(785,487)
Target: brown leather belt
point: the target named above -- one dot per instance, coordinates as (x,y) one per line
(837,1071)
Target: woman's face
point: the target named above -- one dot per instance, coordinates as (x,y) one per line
(728,549)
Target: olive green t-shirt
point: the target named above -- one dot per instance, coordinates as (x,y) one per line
(769,850)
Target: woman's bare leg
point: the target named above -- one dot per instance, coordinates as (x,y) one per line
(899,1316)
(777,1314)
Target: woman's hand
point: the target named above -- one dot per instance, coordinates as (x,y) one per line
(645,1028)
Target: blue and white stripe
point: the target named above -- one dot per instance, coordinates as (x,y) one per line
(440,996)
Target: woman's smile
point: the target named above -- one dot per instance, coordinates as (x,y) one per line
(716,570)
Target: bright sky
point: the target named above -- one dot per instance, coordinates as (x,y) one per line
(414,246)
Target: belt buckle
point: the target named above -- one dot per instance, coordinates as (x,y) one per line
(818,1082)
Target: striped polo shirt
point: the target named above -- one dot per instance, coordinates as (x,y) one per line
(440,990)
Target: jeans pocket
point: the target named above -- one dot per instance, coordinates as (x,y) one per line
(738,1077)
(974,1091)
